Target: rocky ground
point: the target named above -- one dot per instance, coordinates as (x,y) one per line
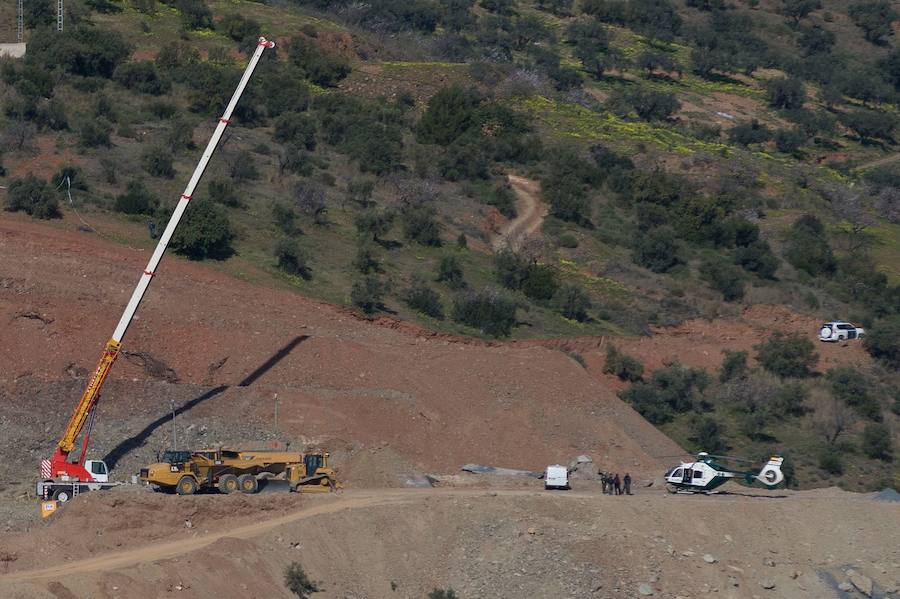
(393,403)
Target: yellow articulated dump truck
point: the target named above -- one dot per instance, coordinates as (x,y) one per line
(187,472)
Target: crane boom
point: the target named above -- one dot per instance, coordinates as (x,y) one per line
(58,465)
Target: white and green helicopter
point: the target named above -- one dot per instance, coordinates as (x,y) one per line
(704,475)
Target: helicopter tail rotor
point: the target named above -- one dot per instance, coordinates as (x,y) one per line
(771,474)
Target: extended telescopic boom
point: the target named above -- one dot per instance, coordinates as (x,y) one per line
(58,465)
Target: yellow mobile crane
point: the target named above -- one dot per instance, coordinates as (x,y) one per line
(60,478)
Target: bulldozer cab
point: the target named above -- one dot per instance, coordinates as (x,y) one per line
(313,463)
(173,456)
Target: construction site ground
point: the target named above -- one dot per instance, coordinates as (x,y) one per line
(393,403)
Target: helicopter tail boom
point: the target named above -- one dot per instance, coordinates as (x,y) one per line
(771,474)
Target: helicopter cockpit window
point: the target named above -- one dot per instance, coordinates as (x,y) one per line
(677,472)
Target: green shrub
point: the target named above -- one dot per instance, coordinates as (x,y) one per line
(292,259)
(487,310)
(195,14)
(734,365)
(753,132)
(367,294)
(157,161)
(540,283)
(366,260)
(422,298)
(623,366)
(137,199)
(807,247)
(789,141)
(657,250)
(223,192)
(69,176)
(757,258)
(785,92)
(706,433)
(650,105)
(870,124)
(448,593)
(572,301)
(831,461)
(450,271)
(297,582)
(723,277)
(295,128)
(204,232)
(374,223)
(33,197)
(420,224)
(240,28)
(787,355)
(141,76)
(320,67)
(876,442)
(243,167)
(567,240)
(791,399)
(503,199)
(94,133)
(874,17)
(671,390)
(852,387)
(883,342)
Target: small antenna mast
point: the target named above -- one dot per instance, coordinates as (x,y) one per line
(20,22)
(59,15)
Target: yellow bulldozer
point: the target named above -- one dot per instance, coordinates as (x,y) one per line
(228,471)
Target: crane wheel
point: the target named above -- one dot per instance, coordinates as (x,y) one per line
(62,495)
(248,483)
(186,486)
(228,483)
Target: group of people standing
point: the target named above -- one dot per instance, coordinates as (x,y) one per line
(613,485)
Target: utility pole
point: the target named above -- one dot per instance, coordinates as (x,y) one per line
(20,22)
(59,15)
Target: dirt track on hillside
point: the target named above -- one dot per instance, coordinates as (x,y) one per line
(530,214)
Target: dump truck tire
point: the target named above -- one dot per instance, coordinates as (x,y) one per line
(186,486)
(248,483)
(228,483)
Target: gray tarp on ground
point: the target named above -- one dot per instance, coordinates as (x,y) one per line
(887,495)
(479,469)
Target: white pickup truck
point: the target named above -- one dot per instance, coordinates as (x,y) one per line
(840,331)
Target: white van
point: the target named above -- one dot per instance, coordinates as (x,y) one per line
(556,477)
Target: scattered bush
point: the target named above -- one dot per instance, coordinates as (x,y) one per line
(657,250)
(753,132)
(292,259)
(670,390)
(876,442)
(33,197)
(787,355)
(567,240)
(723,277)
(448,593)
(808,249)
(367,294)
(870,124)
(296,128)
(424,299)
(420,224)
(141,76)
(157,161)
(205,232)
(137,199)
(450,271)
(297,582)
(243,167)
(223,192)
(487,310)
(734,366)
(94,133)
(883,342)
(623,366)
(831,461)
(374,223)
(572,301)
(785,92)
(650,105)
(706,433)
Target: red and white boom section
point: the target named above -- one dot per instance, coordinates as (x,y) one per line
(59,466)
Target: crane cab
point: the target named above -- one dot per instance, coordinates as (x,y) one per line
(98,470)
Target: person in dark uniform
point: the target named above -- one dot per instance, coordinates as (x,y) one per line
(617,484)
(627,482)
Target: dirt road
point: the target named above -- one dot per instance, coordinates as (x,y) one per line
(530,214)
(481,542)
